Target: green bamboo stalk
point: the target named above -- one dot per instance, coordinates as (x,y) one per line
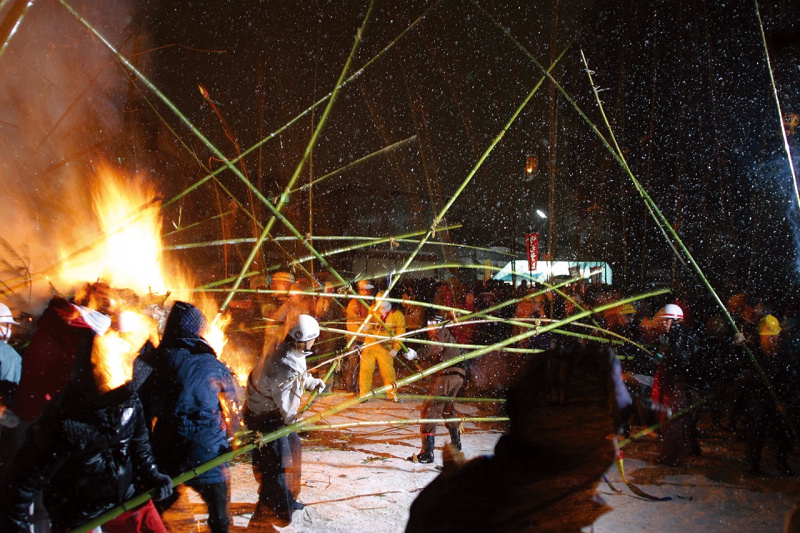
(276,213)
(655,213)
(12,21)
(458,399)
(580,112)
(688,255)
(371,241)
(312,420)
(440,216)
(786,146)
(354,164)
(405,422)
(316,104)
(284,198)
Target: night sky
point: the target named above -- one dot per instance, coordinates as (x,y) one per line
(684,85)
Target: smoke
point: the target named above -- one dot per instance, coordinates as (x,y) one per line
(780,206)
(61,101)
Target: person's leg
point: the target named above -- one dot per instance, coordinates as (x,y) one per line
(450,388)
(386,368)
(296,467)
(216,497)
(350,376)
(272,460)
(367,369)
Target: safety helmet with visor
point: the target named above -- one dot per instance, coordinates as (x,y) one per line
(671,311)
(306,329)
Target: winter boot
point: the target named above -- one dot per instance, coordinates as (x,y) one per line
(426,454)
(455,437)
(264,520)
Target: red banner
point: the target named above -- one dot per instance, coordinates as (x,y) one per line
(532,241)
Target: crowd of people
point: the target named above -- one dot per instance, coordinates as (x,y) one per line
(180,407)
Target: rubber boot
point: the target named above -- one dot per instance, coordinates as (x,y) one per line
(455,437)
(426,454)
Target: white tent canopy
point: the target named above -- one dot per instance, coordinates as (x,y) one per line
(546,270)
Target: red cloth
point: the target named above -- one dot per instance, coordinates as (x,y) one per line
(655,390)
(47,363)
(144,519)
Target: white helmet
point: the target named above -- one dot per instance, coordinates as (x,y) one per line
(306,329)
(5,315)
(365,284)
(384,306)
(672,311)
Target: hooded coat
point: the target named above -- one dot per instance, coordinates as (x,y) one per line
(185,394)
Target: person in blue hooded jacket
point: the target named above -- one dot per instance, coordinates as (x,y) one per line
(192,396)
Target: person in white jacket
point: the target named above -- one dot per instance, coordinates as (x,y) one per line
(274,389)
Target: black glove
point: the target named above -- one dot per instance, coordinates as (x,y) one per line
(163,487)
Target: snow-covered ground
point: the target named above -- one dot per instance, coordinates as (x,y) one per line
(357,480)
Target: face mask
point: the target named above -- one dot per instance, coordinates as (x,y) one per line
(5,332)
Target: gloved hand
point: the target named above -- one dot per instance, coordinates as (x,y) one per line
(8,418)
(738,339)
(411,354)
(163,486)
(320,386)
(393,353)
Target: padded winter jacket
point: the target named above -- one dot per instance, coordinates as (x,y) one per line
(185,394)
(88,455)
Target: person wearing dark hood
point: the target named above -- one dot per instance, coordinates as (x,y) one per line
(89,451)
(274,389)
(192,396)
(543,473)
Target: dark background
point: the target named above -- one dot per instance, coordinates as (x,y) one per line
(684,85)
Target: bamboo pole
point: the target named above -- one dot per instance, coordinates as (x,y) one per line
(276,213)
(284,198)
(786,146)
(316,104)
(440,216)
(406,422)
(311,421)
(11,22)
(620,156)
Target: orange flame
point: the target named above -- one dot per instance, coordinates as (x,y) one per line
(128,255)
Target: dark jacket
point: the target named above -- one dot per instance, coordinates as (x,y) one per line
(680,361)
(183,393)
(89,453)
(544,471)
(439,353)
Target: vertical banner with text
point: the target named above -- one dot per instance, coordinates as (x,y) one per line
(532,241)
